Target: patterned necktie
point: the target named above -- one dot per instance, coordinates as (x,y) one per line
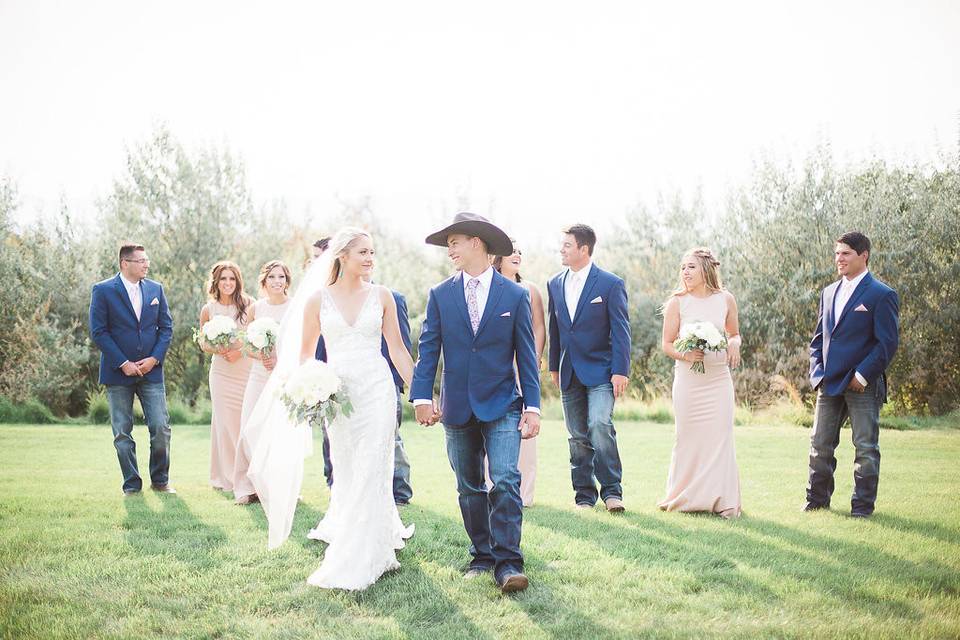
(472,308)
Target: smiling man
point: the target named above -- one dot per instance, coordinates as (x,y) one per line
(857,335)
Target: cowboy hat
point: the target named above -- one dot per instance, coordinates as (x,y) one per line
(470,224)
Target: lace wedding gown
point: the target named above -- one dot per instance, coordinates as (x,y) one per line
(362,525)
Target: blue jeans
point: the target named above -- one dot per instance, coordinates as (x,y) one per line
(831,412)
(402,491)
(588,412)
(153,399)
(492,519)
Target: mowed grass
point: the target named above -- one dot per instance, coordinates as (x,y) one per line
(78,560)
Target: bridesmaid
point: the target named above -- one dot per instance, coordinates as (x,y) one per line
(274,283)
(703,472)
(510,268)
(228,371)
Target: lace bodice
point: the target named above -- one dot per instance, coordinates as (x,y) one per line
(354,343)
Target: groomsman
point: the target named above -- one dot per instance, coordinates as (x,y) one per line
(857,334)
(130,323)
(590,362)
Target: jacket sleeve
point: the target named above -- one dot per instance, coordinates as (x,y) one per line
(886,329)
(403,319)
(100,329)
(526,353)
(428,350)
(816,349)
(554,328)
(619,316)
(164,329)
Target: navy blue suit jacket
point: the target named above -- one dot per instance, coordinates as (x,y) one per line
(478,370)
(403,320)
(120,336)
(595,343)
(863,341)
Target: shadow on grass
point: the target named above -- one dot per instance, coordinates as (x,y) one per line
(925,528)
(839,570)
(173,531)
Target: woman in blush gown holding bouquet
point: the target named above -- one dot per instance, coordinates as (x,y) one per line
(703,470)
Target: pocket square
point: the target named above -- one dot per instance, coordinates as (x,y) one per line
(505,314)
(596,300)
(154,301)
(860,307)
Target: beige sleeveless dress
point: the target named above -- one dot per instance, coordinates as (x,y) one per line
(703,471)
(255,384)
(228,380)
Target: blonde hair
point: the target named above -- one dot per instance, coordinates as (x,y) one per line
(339,245)
(270,266)
(710,267)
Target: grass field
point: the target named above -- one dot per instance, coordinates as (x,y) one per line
(79,560)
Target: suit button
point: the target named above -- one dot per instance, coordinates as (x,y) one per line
(474,349)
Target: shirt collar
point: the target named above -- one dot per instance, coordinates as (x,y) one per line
(852,284)
(129,285)
(485,278)
(582,272)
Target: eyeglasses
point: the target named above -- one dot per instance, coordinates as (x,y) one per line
(139,261)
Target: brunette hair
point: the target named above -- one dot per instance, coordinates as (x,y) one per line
(239,298)
(584,235)
(856,241)
(128,250)
(270,266)
(498,262)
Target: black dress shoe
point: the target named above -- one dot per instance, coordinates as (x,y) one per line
(810,506)
(859,514)
(514,582)
(130,492)
(163,488)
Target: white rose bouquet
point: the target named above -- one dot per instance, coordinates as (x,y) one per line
(219,331)
(313,395)
(261,336)
(699,336)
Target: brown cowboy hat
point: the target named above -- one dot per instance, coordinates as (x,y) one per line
(470,224)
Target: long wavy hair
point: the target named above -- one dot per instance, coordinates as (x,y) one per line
(710,267)
(498,262)
(267,268)
(339,245)
(239,298)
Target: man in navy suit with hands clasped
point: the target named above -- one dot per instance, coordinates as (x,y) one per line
(131,324)
(858,330)
(590,362)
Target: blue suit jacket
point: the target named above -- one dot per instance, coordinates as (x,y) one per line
(595,343)
(863,341)
(403,319)
(478,370)
(115,329)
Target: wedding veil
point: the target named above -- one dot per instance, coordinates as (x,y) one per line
(278,445)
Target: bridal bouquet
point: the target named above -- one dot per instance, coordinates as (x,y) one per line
(261,335)
(702,336)
(219,331)
(313,395)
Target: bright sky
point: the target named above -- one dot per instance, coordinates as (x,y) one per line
(538,113)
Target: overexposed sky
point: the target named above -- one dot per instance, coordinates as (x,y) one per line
(539,112)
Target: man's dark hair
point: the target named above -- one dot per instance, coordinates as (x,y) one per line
(128,250)
(584,235)
(323,243)
(856,241)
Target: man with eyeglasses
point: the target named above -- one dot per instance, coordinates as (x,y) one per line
(131,324)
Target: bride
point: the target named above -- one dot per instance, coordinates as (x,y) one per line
(362,525)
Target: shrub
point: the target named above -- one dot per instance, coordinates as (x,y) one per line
(98,408)
(30,412)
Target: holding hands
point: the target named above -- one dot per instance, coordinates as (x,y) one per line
(428,414)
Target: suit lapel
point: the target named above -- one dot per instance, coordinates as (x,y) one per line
(493,297)
(586,291)
(560,284)
(854,297)
(459,299)
(829,301)
(125,297)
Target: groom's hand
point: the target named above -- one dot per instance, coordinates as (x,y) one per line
(619,384)
(131,369)
(529,425)
(146,365)
(427,414)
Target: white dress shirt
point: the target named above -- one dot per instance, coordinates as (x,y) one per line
(844,291)
(133,292)
(483,292)
(573,287)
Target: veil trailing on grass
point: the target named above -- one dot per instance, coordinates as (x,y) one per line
(279,445)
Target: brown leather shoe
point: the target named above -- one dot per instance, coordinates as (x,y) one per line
(163,488)
(514,582)
(247,499)
(614,505)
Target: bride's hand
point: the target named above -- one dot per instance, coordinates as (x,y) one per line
(269,362)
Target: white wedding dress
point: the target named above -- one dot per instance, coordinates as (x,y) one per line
(362,525)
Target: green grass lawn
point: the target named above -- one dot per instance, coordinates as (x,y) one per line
(79,560)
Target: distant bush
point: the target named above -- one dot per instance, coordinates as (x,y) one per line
(30,412)
(98,408)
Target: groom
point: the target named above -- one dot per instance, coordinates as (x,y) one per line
(857,334)
(481,323)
